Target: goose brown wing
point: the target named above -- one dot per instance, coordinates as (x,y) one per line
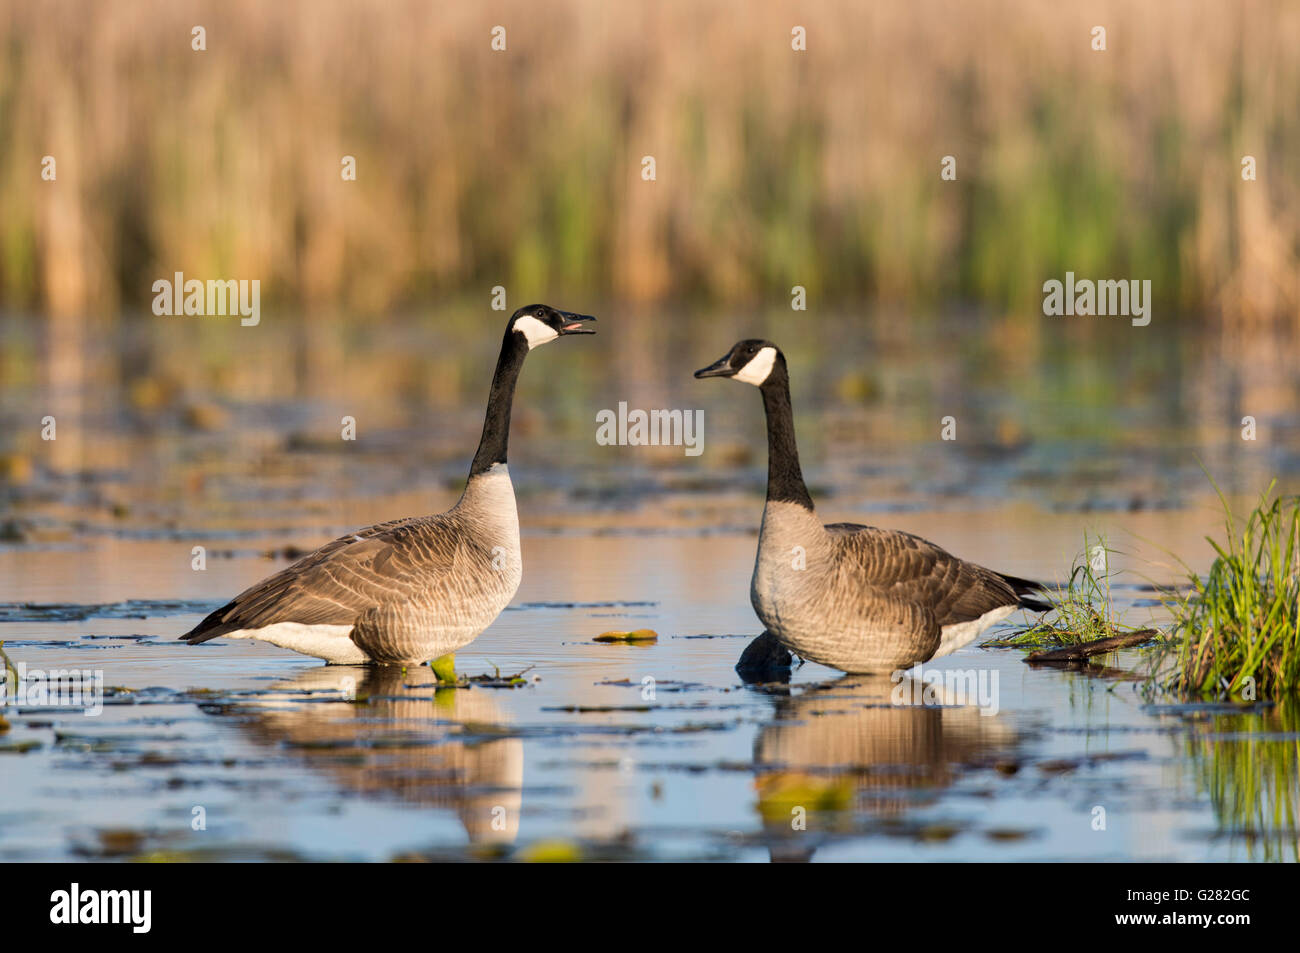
(907,569)
(344,578)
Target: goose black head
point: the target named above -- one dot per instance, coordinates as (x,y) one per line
(539,323)
(752,361)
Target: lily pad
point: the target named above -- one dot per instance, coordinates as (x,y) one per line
(444,668)
(637,635)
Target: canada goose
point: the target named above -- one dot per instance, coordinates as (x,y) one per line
(857,598)
(414,589)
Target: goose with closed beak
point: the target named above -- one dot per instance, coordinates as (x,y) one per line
(857,598)
(415,589)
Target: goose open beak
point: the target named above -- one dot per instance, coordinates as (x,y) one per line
(573,323)
(719,368)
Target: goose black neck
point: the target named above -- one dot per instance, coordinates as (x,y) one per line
(784,478)
(496,424)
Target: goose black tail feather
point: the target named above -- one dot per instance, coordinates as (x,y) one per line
(210,628)
(1027,590)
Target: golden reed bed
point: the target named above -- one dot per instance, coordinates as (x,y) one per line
(774,167)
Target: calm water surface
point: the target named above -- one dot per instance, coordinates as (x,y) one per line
(288,758)
(282,757)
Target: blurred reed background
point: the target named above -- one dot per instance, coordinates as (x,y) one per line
(775,168)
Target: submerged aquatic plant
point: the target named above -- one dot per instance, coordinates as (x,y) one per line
(7,671)
(1237,631)
(1082,610)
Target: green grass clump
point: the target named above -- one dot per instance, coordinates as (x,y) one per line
(1082,609)
(1237,631)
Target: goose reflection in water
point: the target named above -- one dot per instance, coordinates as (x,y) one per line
(838,753)
(403,737)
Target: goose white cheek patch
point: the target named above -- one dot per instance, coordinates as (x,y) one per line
(759,366)
(536,332)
